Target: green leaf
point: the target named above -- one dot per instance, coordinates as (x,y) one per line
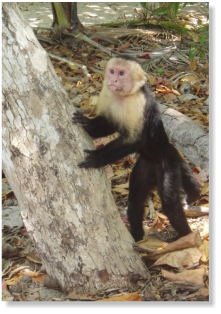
(207,46)
(174,7)
(160,11)
(205,29)
(174,27)
(201,53)
(192,52)
(194,36)
(160,71)
(143,4)
(202,39)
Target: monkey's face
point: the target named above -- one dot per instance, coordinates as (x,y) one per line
(119,78)
(124,77)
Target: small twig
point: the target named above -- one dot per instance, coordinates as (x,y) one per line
(46,40)
(181,56)
(91,42)
(45,28)
(17,270)
(83,67)
(73,79)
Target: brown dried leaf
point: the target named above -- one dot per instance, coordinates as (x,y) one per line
(185,258)
(33,258)
(159,223)
(97,85)
(163,89)
(191,240)
(124,47)
(120,191)
(195,276)
(192,65)
(190,78)
(120,172)
(151,244)
(205,188)
(101,141)
(151,79)
(91,90)
(123,185)
(68,87)
(102,64)
(204,248)
(176,92)
(31,273)
(169,97)
(109,171)
(40,278)
(79,297)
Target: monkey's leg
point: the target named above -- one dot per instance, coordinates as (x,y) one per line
(96,127)
(189,182)
(169,185)
(142,181)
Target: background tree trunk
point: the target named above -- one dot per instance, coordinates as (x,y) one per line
(69,9)
(69,212)
(189,137)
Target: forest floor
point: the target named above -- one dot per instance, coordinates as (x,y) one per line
(178,278)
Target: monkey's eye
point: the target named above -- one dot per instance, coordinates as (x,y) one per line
(112,71)
(121,73)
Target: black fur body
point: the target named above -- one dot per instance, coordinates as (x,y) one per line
(159,164)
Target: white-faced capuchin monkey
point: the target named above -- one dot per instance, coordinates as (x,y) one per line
(127,106)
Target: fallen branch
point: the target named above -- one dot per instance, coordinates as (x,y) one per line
(189,138)
(91,42)
(196,211)
(83,67)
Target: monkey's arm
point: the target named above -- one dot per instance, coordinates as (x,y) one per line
(96,127)
(110,153)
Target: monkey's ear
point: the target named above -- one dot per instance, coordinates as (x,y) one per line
(142,76)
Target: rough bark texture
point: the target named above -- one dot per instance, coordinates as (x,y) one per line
(191,139)
(69,212)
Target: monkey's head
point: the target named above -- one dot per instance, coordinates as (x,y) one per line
(124,76)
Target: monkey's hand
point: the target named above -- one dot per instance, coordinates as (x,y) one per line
(90,160)
(78,117)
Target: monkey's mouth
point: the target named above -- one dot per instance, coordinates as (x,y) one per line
(114,88)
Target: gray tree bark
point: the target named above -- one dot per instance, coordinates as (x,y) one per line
(69,212)
(190,138)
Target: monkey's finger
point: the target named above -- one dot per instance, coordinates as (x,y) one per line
(78,119)
(90,152)
(84,164)
(82,121)
(76,115)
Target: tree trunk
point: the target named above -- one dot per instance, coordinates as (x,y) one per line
(69,9)
(69,212)
(189,137)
